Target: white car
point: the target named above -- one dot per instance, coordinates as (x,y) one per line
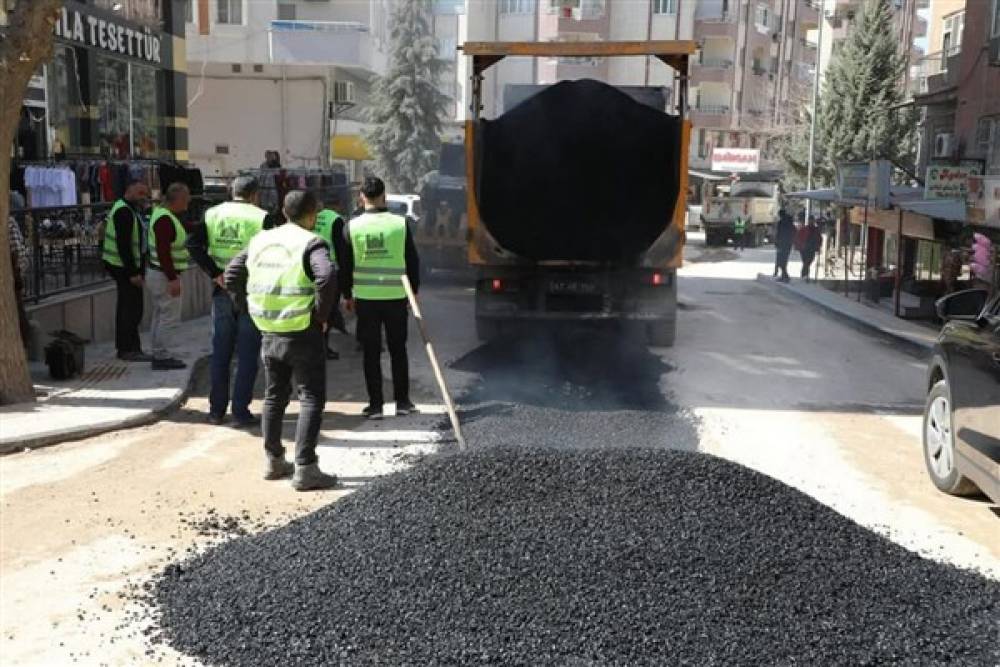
(407,205)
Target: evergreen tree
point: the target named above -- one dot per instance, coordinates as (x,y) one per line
(794,149)
(862,84)
(407,107)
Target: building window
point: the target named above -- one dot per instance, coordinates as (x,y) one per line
(763,18)
(65,97)
(189,11)
(286,12)
(996,18)
(517,6)
(664,6)
(229,12)
(702,143)
(114,119)
(951,40)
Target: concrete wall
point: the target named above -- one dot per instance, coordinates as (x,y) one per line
(91,313)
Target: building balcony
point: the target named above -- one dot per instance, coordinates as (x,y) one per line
(330,43)
(715,25)
(937,76)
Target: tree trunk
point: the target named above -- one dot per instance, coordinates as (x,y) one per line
(25,44)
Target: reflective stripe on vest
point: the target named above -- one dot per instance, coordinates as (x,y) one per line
(280,295)
(178,249)
(379,244)
(109,251)
(229,227)
(324,229)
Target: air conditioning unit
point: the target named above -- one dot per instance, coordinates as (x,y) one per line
(994,59)
(343,92)
(944,144)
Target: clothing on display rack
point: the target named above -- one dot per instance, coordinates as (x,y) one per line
(50,186)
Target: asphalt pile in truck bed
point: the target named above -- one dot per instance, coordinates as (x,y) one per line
(554,557)
(580,171)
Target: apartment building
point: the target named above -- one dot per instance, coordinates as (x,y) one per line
(958,85)
(287,75)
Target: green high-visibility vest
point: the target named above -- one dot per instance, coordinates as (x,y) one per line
(110,250)
(178,249)
(230,226)
(280,295)
(324,229)
(379,244)
(740,225)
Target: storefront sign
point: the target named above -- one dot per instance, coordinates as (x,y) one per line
(948,182)
(736,159)
(108,35)
(866,183)
(983,201)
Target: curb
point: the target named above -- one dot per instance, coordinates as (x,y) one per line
(80,433)
(912,345)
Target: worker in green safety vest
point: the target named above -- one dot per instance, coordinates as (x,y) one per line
(123,251)
(286,282)
(168,259)
(330,228)
(739,232)
(227,231)
(380,251)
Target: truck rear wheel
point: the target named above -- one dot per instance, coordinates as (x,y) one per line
(713,238)
(487,328)
(661,333)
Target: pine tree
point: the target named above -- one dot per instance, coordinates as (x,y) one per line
(857,121)
(407,106)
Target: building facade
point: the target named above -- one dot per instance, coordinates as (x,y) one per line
(958,86)
(289,76)
(116,87)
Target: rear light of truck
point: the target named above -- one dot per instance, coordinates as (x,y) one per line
(656,279)
(497,285)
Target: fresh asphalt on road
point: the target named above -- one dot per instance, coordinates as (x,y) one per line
(755,376)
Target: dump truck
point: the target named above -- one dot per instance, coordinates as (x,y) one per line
(576,205)
(752,198)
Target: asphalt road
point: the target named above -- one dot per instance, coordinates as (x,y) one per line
(755,377)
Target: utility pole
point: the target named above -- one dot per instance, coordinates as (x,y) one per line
(815,102)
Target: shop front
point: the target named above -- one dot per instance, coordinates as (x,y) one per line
(116,87)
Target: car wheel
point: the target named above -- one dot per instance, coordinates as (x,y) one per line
(939,443)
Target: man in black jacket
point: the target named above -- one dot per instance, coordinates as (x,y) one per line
(124,254)
(784,237)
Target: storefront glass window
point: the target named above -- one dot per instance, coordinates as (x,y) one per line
(928,261)
(113,107)
(145,121)
(64,100)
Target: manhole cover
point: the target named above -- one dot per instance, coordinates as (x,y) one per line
(109,370)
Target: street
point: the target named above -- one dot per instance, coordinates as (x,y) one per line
(756,376)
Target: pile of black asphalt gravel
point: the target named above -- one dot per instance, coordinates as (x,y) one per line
(586,557)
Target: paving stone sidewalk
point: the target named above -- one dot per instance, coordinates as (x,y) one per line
(110,395)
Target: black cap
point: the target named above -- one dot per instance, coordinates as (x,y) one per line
(373,187)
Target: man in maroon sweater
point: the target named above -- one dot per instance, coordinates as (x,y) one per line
(168,258)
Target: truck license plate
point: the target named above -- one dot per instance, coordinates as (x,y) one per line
(566,286)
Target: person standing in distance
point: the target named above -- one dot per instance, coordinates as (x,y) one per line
(227,231)
(287,282)
(123,252)
(330,228)
(380,251)
(168,259)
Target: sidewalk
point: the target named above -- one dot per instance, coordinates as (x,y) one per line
(917,335)
(111,394)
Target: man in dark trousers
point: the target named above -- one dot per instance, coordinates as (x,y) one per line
(123,253)
(286,281)
(227,231)
(808,241)
(380,250)
(784,237)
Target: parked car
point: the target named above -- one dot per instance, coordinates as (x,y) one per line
(962,415)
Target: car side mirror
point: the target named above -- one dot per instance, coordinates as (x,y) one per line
(965,305)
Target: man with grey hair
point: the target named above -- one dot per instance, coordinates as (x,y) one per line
(168,258)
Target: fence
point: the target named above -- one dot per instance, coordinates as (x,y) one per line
(64,247)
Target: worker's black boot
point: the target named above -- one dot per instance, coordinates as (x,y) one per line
(277,468)
(311,478)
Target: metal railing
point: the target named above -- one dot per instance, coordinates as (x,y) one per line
(721,63)
(64,246)
(715,109)
(937,70)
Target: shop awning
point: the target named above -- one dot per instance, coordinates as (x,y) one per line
(826,194)
(349,147)
(941,209)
